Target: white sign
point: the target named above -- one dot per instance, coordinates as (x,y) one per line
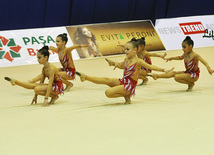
(19,47)
(173,31)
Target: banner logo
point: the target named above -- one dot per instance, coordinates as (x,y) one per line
(192,28)
(208,34)
(8,49)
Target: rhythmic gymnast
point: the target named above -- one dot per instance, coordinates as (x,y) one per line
(54,86)
(145,55)
(65,57)
(124,87)
(191,59)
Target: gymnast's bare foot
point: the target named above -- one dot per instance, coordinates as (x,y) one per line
(12,81)
(81,75)
(53,99)
(68,87)
(190,87)
(128,100)
(144,81)
(153,75)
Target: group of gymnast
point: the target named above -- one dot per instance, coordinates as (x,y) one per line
(136,65)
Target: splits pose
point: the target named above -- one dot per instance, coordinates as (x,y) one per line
(54,86)
(191,59)
(66,60)
(124,87)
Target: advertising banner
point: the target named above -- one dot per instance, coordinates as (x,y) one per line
(104,38)
(173,31)
(19,47)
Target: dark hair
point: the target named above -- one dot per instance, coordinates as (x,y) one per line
(63,37)
(134,43)
(44,51)
(141,41)
(133,39)
(189,41)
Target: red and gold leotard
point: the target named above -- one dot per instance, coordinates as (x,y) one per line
(127,81)
(147,60)
(192,68)
(65,63)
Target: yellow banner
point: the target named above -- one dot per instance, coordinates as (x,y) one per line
(105,38)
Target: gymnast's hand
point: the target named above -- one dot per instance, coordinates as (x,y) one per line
(163,56)
(45,102)
(210,70)
(167,59)
(112,63)
(34,99)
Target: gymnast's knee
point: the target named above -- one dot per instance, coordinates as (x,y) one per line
(176,77)
(108,93)
(36,90)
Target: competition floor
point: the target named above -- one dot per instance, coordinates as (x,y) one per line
(163,119)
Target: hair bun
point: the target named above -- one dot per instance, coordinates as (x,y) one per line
(188,38)
(143,38)
(133,39)
(65,34)
(45,47)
